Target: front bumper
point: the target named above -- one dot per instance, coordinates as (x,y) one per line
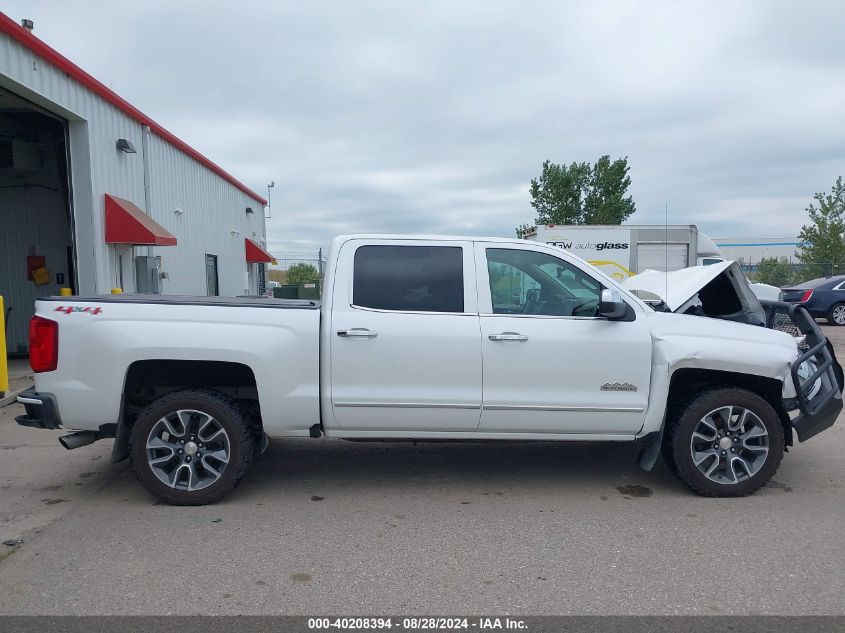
(819,412)
(41,411)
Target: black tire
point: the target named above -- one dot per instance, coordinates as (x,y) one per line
(226,414)
(688,415)
(830,314)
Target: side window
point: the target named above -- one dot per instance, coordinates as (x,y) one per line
(409,278)
(529,282)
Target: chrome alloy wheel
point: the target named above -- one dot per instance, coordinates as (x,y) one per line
(729,445)
(838,314)
(188,450)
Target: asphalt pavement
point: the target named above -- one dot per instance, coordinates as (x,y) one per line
(332,527)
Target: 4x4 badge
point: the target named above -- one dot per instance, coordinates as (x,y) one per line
(618,386)
(85,309)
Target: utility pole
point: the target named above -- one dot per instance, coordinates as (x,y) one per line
(320,263)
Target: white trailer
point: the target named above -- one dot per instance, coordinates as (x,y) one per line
(623,250)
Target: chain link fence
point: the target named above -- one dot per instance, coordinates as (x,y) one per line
(785,273)
(304,266)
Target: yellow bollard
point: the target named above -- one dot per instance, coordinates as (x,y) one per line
(116,291)
(64,292)
(4,363)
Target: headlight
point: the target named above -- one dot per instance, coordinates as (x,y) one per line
(805,370)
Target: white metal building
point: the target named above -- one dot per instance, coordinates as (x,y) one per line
(752,249)
(94,195)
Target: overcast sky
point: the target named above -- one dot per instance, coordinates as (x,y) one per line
(432,117)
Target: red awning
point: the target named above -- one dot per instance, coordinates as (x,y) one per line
(257,255)
(127,224)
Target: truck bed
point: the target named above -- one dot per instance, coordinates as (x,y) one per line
(191,300)
(103,338)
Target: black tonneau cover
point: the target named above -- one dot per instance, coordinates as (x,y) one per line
(188,300)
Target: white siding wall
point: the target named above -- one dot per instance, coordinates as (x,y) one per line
(752,250)
(212,206)
(210,213)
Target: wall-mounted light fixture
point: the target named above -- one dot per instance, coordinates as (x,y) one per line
(249,211)
(126,146)
(178,211)
(235,232)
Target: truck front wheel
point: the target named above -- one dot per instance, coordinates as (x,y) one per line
(724,442)
(191,447)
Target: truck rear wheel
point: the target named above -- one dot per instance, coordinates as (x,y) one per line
(191,447)
(725,442)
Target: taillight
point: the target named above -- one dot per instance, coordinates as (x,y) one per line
(43,344)
(806,296)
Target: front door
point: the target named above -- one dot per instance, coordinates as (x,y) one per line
(551,365)
(211,277)
(404,337)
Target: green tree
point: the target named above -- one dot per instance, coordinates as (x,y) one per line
(822,245)
(558,194)
(773,271)
(581,193)
(302,273)
(605,201)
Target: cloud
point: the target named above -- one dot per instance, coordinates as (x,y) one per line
(433,117)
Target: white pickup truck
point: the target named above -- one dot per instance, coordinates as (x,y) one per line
(432,338)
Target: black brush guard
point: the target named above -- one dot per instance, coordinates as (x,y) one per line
(819,412)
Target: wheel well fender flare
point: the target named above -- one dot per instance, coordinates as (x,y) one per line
(154,375)
(685,380)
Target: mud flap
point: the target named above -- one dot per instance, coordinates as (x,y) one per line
(120,450)
(650,449)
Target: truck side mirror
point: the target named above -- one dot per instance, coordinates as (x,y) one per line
(611,305)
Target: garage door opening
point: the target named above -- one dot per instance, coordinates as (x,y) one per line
(36,219)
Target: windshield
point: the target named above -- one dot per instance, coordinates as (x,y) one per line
(818,283)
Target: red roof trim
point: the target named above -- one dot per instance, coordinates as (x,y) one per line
(50,55)
(257,255)
(128,224)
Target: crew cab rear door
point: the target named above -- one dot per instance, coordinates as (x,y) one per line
(405,345)
(551,365)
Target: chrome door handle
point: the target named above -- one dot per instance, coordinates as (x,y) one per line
(357,332)
(508,336)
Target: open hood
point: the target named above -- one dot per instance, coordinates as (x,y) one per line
(719,290)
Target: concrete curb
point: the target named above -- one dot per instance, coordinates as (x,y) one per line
(11,396)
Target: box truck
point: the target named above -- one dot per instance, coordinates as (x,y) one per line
(623,250)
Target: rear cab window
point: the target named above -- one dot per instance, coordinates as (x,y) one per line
(409,278)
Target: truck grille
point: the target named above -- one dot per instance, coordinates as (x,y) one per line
(779,318)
